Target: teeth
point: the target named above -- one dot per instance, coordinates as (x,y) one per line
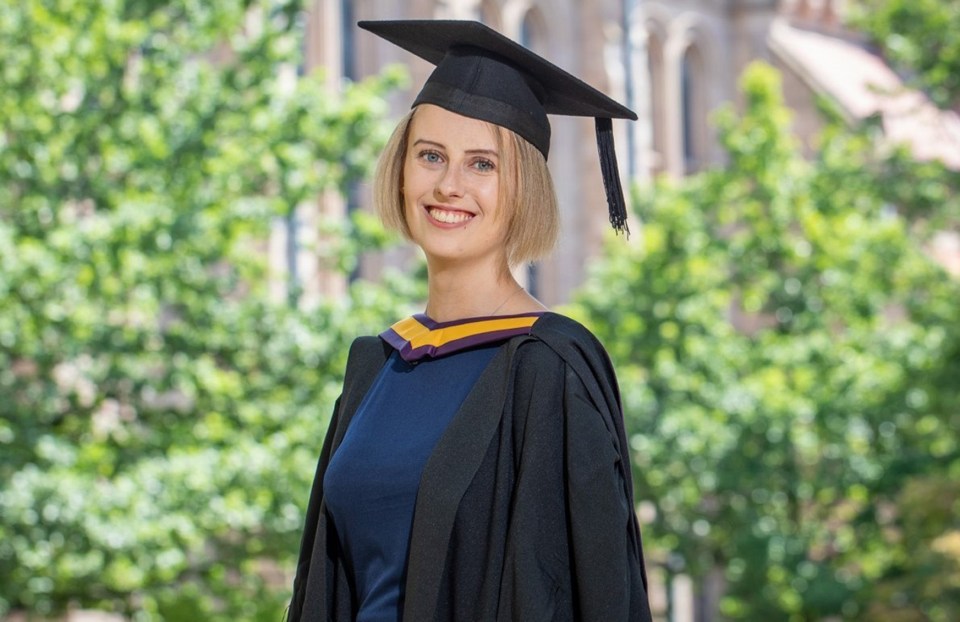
(449,217)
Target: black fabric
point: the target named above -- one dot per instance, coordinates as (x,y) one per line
(525,510)
(611,176)
(481,86)
(559,92)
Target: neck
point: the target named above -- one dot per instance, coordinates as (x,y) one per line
(457,292)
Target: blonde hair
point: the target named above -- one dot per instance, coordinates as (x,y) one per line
(527,196)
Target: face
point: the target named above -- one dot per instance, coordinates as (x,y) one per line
(451,187)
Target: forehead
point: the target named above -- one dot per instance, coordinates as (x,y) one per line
(452,130)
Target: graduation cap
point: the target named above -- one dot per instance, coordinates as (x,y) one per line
(483,75)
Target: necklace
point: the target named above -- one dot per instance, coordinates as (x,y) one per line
(512,294)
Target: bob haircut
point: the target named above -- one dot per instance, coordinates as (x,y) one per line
(526,195)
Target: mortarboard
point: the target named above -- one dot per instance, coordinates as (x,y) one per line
(484,75)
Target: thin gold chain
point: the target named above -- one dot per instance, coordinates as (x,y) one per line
(512,294)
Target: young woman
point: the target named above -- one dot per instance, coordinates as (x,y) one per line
(476,466)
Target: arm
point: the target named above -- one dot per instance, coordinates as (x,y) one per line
(367,355)
(605,551)
(574,540)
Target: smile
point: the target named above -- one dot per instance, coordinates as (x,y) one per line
(450,217)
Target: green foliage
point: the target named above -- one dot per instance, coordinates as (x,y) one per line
(788,357)
(159,420)
(921,37)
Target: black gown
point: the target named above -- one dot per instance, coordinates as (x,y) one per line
(525,509)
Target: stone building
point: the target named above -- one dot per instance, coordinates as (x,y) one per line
(672,61)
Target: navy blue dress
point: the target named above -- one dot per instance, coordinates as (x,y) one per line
(372,481)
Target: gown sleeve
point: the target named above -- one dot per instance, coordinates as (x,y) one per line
(570,429)
(606,557)
(366,356)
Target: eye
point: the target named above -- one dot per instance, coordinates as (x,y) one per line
(484,165)
(430,157)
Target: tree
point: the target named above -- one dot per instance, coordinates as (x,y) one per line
(160,418)
(787,355)
(921,37)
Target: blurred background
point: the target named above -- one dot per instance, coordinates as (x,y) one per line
(187,250)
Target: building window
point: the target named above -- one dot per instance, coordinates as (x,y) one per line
(347,30)
(528,30)
(692,110)
(658,121)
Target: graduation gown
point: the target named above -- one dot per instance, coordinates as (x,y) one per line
(525,507)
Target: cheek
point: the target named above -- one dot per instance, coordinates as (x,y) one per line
(409,204)
(414,182)
(409,210)
(491,198)
(408,190)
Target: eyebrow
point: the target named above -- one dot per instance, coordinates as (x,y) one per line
(424,141)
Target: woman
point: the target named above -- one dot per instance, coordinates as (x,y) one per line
(476,466)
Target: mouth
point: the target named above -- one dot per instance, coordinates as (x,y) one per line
(449,216)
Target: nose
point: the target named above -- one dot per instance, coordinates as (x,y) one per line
(450,183)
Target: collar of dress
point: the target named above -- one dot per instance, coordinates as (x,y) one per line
(419,337)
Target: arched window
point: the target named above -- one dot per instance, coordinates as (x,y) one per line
(693,110)
(532,30)
(658,118)
(347,47)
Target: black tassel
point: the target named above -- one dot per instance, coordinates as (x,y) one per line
(611,176)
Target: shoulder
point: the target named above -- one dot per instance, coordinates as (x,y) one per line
(557,339)
(586,364)
(367,354)
(366,346)
(560,330)
(572,342)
